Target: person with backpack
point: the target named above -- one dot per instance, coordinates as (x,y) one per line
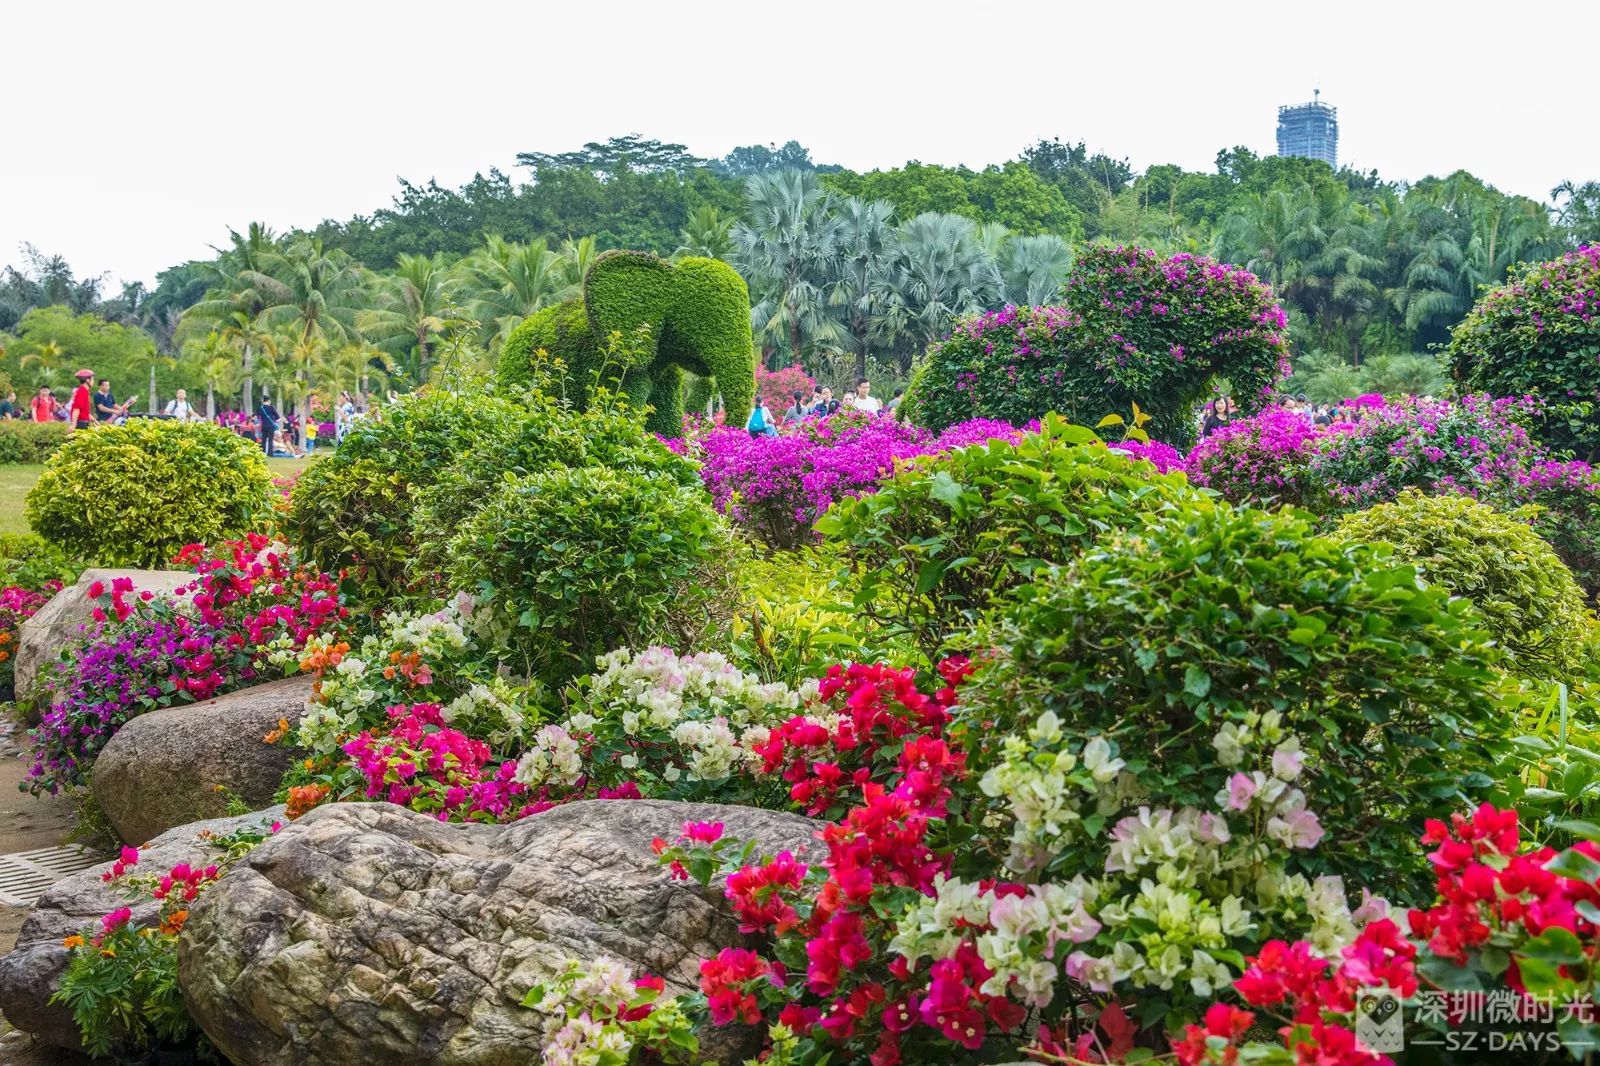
(760,422)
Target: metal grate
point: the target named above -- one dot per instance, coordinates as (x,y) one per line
(24,875)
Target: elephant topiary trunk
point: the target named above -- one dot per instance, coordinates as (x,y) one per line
(698,311)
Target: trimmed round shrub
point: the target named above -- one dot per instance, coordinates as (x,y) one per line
(571,563)
(134,494)
(1135,328)
(353,510)
(947,534)
(1212,638)
(1261,459)
(1534,608)
(1539,335)
(23,441)
(547,435)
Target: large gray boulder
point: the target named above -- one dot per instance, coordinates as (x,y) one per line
(40,639)
(367,933)
(172,766)
(74,904)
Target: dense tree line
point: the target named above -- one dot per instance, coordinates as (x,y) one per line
(864,268)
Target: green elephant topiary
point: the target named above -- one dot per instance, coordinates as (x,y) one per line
(698,313)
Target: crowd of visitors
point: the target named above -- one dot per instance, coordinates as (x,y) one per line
(279,434)
(820,404)
(1221,411)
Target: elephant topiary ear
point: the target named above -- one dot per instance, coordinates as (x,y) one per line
(625,290)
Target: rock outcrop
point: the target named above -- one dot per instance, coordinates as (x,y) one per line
(76,904)
(171,766)
(40,639)
(367,933)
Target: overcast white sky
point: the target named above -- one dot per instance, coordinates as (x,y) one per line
(138,132)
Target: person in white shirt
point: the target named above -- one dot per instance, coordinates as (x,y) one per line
(863,400)
(180,408)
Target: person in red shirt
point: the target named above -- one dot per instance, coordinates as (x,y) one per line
(44,405)
(82,409)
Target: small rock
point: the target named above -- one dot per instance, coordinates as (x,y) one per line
(75,904)
(368,933)
(172,766)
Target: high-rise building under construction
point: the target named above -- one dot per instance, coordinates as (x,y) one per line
(1310,130)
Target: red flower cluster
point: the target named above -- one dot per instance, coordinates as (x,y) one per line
(1486,887)
(128,858)
(185,879)
(878,705)
(729,981)
(758,894)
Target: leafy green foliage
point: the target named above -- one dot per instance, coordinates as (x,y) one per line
(570,563)
(133,495)
(946,535)
(1011,194)
(29,561)
(697,310)
(352,510)
(30,442)
(548,434)
(1539,334)
(1209,622)
(798,616)
(1534,608)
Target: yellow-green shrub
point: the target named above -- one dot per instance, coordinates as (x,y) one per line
(132,495)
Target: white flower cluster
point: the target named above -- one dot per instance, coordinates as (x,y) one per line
(1182,891)
(1021,931)
(695,717)
(354,694)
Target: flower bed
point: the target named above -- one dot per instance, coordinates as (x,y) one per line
(242,621)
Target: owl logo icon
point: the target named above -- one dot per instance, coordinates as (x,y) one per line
(1380,1021)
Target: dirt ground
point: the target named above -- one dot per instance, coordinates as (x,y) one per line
(25,822)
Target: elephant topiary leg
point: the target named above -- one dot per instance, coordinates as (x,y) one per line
(735,375)
(697,394)
(666,394)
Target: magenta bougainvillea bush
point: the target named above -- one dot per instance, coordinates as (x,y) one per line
(777,388)
(1539,335)
(17,605)
(1135,328)
(777,487)
(1265,457)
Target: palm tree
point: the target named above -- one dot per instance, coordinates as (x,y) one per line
(415,306)
(504,283)
(578,255)
(311,293)
(1033,268)
(49,357)
(785,252)
(706,234)
(939,271)
(865,240)
(238,275)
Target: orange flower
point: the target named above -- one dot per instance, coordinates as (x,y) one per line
(304,797)
(73,941)
(279,733)
(174,923)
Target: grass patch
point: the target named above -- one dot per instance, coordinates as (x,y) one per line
(17,479)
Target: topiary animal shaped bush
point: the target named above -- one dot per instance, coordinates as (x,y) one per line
(698,314)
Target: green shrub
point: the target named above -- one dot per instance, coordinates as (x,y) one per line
(947,534)
(571,563)
(697,312)
(30,442)
(29,561)
(1539,334)
(1212,631)
(353,510)
(1134,328)
(797,617)
(1534,608)
(132,495)
(549,434)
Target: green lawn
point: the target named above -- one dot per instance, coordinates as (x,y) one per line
(15,481)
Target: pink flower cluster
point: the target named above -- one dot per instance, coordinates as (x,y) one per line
(778,486)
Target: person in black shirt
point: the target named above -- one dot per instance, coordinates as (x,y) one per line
(1216,416)
(270,421)
(105,404)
